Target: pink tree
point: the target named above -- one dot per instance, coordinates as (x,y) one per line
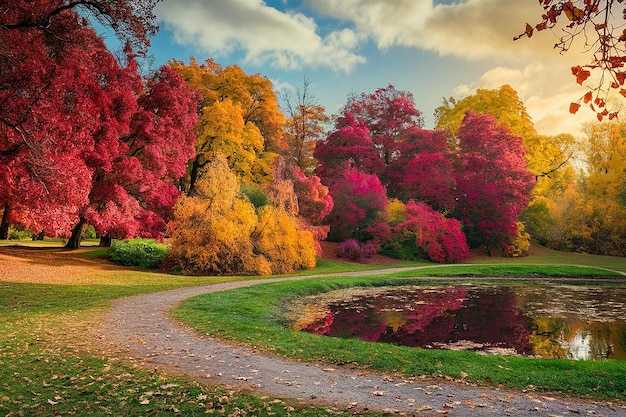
(133,189)
(359,202)
(494,186)
(423,170)
(350,145)
(441,239)
(387,113)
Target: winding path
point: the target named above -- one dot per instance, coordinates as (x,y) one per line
(141,327)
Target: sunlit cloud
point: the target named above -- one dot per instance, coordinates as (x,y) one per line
(263,34)
(546,102)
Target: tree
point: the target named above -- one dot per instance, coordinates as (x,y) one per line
(132,21)
(359,203)
(47,119)
(494,185)
(600,24)
(504,104)
(348,146)
(592,214)
(218,231)
(212,227)
(423,170)
(425,233)
(133,188)
(386,113)
(239,116)
(48,122)
(547,156)
(305,127)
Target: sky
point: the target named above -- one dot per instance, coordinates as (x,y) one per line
(431,48)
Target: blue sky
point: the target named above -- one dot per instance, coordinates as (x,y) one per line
(433,49)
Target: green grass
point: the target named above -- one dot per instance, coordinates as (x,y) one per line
(254,316)
(49,367)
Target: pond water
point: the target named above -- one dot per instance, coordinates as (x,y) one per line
(554,321)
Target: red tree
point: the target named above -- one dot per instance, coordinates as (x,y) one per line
(494,186)
(423,170)
(132,20)
(387,113)
(349,146)
(359,203)
(48,119)
(133,190)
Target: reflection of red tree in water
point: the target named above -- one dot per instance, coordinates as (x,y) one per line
(445,315)
(490,316)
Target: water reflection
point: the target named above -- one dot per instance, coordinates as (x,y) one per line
(549,321)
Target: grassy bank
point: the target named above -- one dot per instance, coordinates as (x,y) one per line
(254,316)
(54,362)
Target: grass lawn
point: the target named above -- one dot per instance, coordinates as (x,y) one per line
(48,367)
(254,316)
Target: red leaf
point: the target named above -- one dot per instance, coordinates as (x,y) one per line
(582,76)
(529,30)
(587,98)
(573,107)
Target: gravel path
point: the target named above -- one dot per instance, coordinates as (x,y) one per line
(141,327)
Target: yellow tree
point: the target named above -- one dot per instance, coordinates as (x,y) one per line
(591,216)
(218,231)
(212,227)
(239,116)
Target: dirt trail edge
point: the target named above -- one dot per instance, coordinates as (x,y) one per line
(141,327)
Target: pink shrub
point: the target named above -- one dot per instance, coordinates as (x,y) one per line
(441,239)
(353,250)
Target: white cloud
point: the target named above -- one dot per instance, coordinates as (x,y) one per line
(546,102)
(471,29)
(264,34)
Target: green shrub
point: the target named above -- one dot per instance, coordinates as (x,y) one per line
(19,233)
(144,253)
(404,249)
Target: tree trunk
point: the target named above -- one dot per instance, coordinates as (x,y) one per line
(105,241)
(4,224)
(77,234)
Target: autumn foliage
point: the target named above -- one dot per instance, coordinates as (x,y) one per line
(601,24)
(218,231)
(423,233)
(494,185)
(88,139)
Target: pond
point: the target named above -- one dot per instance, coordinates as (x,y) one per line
(552,321)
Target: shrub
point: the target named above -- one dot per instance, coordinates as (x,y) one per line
(427,233)
(352,250)
(144,253)
(19,233)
